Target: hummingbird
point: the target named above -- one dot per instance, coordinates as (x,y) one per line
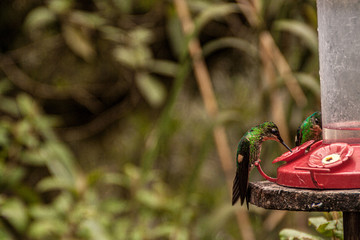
(248,153)
(310,129)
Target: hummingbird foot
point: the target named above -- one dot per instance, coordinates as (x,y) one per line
(257,162)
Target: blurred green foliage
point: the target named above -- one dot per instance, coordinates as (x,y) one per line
(329,228)
(66,203)
(103,134)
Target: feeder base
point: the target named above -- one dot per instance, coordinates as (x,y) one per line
(270,195)
(300,174)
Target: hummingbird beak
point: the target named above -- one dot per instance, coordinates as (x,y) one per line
(282,142)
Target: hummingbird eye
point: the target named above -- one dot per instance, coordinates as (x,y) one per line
(274,130)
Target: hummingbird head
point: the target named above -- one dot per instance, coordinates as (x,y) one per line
(310,129)
(315,120)
(271,132)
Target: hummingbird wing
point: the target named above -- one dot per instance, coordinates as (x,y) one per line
(298,137)
(241,179)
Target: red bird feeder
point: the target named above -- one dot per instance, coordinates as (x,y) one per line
(333,163)
(324,166)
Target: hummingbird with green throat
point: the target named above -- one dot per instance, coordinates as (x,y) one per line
(248,153)
(310,129)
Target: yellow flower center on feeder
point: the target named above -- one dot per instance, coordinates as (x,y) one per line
(330,158)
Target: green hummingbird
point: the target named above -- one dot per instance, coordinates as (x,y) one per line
(248,152)
(310,129)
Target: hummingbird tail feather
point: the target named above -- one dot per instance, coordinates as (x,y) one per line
(236,189)
(240,185)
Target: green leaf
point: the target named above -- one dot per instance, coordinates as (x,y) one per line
(60,6)
(24,134)
(47,229)
(94,177)
(136,52)
(43,212)
(5,235)
(79,42)
(124,6)
(11,175)
(38,18)
(112,33)
(133,56)
(63,203)
(318,221)
(140,36)
(61,162)
(132,172)
(4,135)
(116,179)
(27,193)
(150,199)
(214,11)
(44,124)
(86,19)
(114,206)
(54,183)
(291,234)
(9,106)
(5,86)
(175,35)
(164,230)
(36,157)
(163,67)
(301,30)
(151,88)
(16,213)
(95,230)
(322,225)
(121,228)
(27,105)
(230,42)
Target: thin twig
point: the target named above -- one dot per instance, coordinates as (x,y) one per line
(250,9)
(283,68)
(16,75)
(276,100)
(208,96)
(98,124)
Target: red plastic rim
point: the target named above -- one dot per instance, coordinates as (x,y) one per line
(315,145)
(331,155)
(296,152)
